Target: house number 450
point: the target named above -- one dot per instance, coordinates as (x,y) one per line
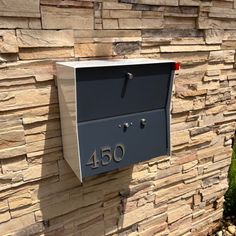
(107,155)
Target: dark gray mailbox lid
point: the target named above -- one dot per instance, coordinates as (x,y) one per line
(96,97)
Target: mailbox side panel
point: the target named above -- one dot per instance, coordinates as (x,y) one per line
(68,112)
(168,113)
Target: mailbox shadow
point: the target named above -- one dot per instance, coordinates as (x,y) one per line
(64,206)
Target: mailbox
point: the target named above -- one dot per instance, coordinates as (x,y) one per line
(114,112)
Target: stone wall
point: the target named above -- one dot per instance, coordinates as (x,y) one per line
(177,195)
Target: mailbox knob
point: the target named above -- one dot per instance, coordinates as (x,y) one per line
(126,125)
(129,75)
(143,122)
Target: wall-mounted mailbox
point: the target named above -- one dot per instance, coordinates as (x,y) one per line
(114,113)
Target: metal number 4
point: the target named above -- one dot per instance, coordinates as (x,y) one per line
(93,161)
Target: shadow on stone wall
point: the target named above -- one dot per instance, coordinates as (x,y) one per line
(63,205)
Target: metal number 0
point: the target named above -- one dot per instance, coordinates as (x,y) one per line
(115,155)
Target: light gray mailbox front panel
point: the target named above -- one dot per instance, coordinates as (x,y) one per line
(114,113)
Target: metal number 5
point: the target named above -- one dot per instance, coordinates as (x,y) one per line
(106,156)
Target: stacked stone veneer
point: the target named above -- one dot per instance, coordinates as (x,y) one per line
(177,195)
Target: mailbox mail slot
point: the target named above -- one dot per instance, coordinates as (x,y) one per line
(114,113)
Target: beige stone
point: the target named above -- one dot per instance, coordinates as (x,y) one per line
(8,43)
(5,216)
(219,12)
(96,229)
(68,3)
(12,152)
(158,228)
(190,3)
(152,14)
(45,158)
(124,14)
(181,227)
(218,165)
(222,156)
(188,41)
(223,55)
(182,159)
(173,170)
(140,214)
(228,45)
(17,224)
(153,221)
(177,190)
(190,165)
(60,208)
(11,73)
(42,127)
(178,22)
(178,213)
(4,206)
(40,171)
(141,23)
(13,22)
(100,34)
(182,105)
(213,72)
(180,137)
(211,23)
(130,23)
(45,38)
(229,35)
(42,145)
(92,50)
(29,71)
(12,138)
(231,77)
(19,99)
(226,128)
(156,2)
(110,24)
(187,58)
(15,164)
(19,201)
(176,178)
(34,23)
(66,18)
(21,8)
(115,5)
(42,136)
(188,48)
(15,82)
(46,53)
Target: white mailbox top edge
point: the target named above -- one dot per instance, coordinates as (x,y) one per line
(112,62)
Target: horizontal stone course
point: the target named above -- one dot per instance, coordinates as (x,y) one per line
(21,8)
(45,38)
(8,43)
(66,18)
